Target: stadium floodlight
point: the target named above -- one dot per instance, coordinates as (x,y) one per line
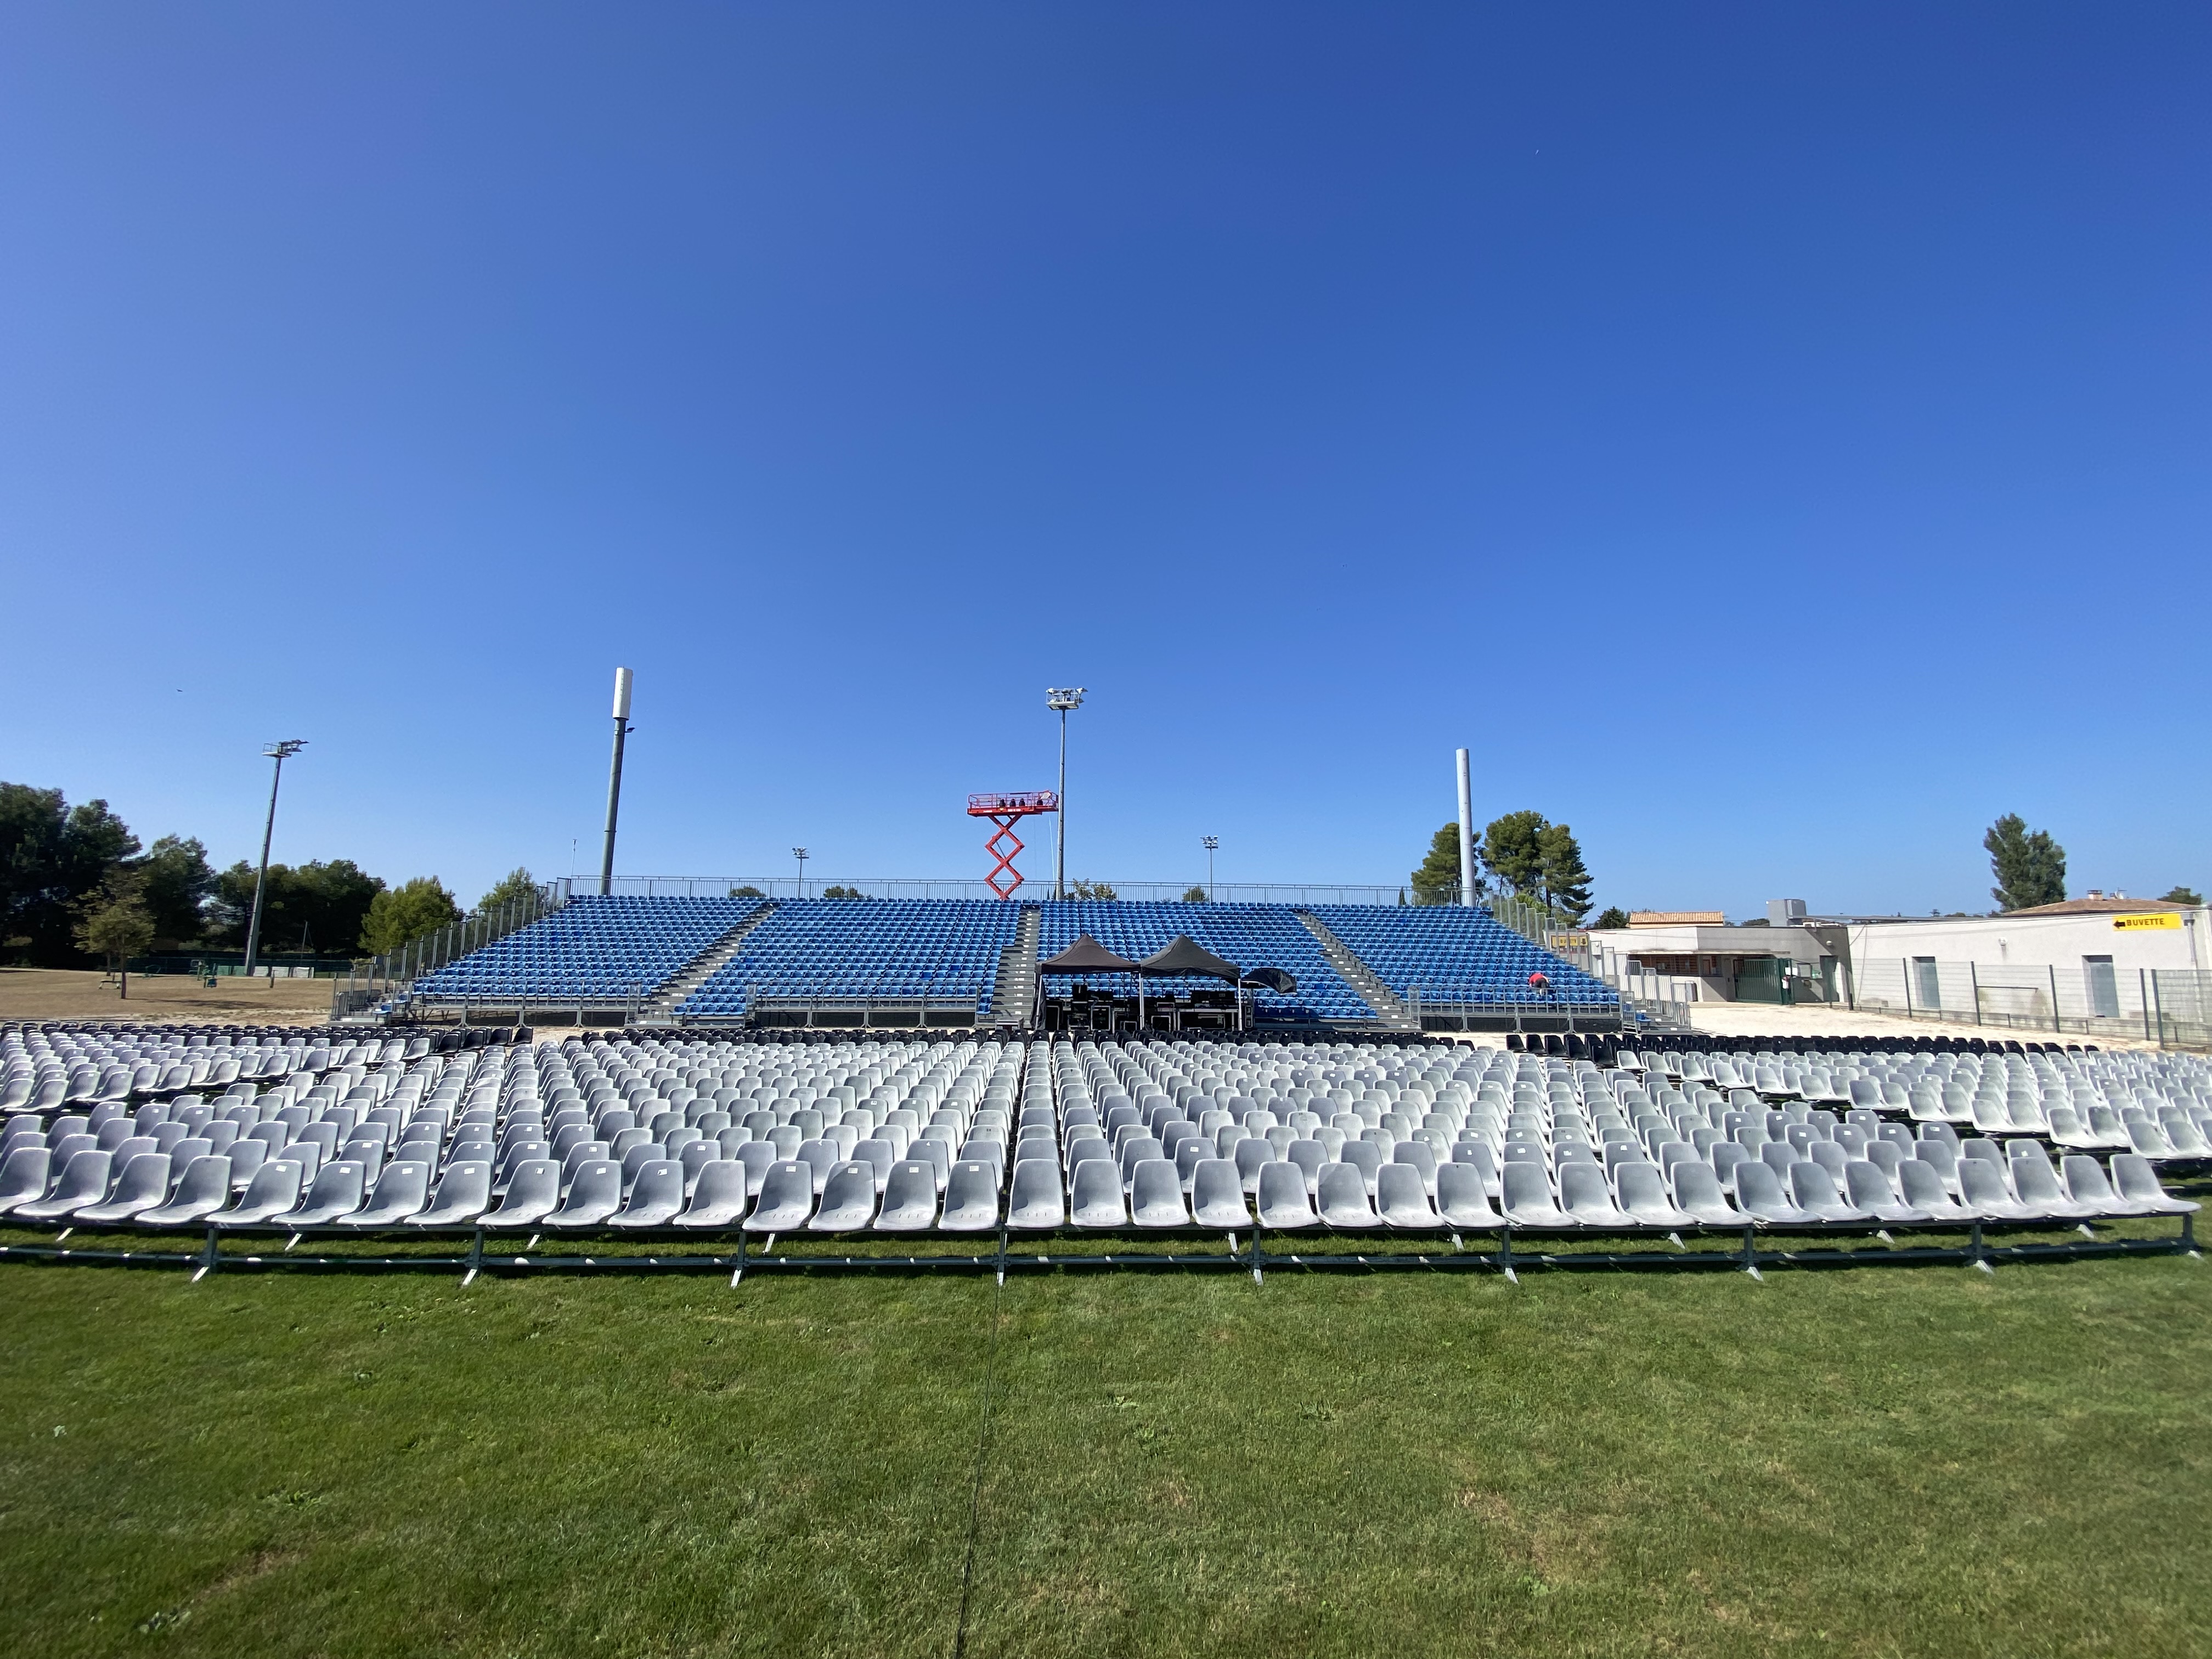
(1061,699)
(1465,833)
(799,853)
(1212,844)
(614,779)
(279,752)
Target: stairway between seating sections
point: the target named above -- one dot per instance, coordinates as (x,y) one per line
(694,973)
(1390,1007)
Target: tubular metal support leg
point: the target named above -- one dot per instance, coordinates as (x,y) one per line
(1974,1250)
(1750,1254)
(1506,1255)
(207,1256)
(740,1272)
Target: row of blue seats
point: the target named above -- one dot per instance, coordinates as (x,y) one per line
(879,948)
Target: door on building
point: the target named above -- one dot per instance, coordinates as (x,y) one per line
(2104,990)
(1927,982)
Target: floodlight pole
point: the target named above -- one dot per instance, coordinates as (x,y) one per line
(1062,698)
(1213,843)
(614,780)
(1465,833)
(799,853)
(278,753)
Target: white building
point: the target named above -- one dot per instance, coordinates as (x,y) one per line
(2103,962)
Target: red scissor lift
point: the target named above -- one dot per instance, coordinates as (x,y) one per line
(1006,812)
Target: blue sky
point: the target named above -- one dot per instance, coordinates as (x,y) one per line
(1772,437)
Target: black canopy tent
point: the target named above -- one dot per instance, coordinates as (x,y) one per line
(1183,956)
(1088,956)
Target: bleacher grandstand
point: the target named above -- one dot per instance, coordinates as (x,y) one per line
(943,962)
(1453,955)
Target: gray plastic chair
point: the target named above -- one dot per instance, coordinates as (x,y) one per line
(1462,1196)
(1036,1203)
(595,1193)
(1526,1197)
(1284,1202)
(1986,1193)
(2135,1180)
(1310,1156)
(1814,1192)
(2086,1185)
(533,1192)
(656,1195)
(1921,1185)
(786,1199)
(1586,1198)
(909,1203)
(204,1190)
(718,1196)
(1365,1156)
(84,1181)
(1640,1192)
(1252,1155)
(2035,1184)
(1155,1194)
(1697,1194)
(1217,1195)
(1094,1198)
(1758,1196)
(138,1191)
(1867,1187)
(463,1193)
(1344,1202)
(273,1194)
(401,1190)
(848,1198)
(971,1198)
(337,1190)
(1402,1201)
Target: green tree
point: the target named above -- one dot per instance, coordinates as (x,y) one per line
(1563,880)
(2184,895)
(398,917)
(113,921)
(52,856)
(1091,889)
(1437,880)
(175,884)
(1511,851)
(747,892)
(517,885)
(1194,895)
(834,891)
(311,907)
(2030,867)
(1611,916)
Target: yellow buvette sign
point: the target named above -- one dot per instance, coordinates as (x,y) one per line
(2161,919)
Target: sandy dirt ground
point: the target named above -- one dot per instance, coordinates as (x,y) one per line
(68,994)
(1766,1019)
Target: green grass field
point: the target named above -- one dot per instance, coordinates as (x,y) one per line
(1875,1461)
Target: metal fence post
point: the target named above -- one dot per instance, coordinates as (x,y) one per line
(2056,1024)
(2142,999)
(2159,1003)
(1905,966)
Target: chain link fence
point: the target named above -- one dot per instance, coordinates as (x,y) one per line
(2170,1006)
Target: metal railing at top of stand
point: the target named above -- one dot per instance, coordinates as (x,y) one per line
(1433,1011)
(1033,890)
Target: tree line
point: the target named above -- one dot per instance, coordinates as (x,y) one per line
(1538,861)
(76,882)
